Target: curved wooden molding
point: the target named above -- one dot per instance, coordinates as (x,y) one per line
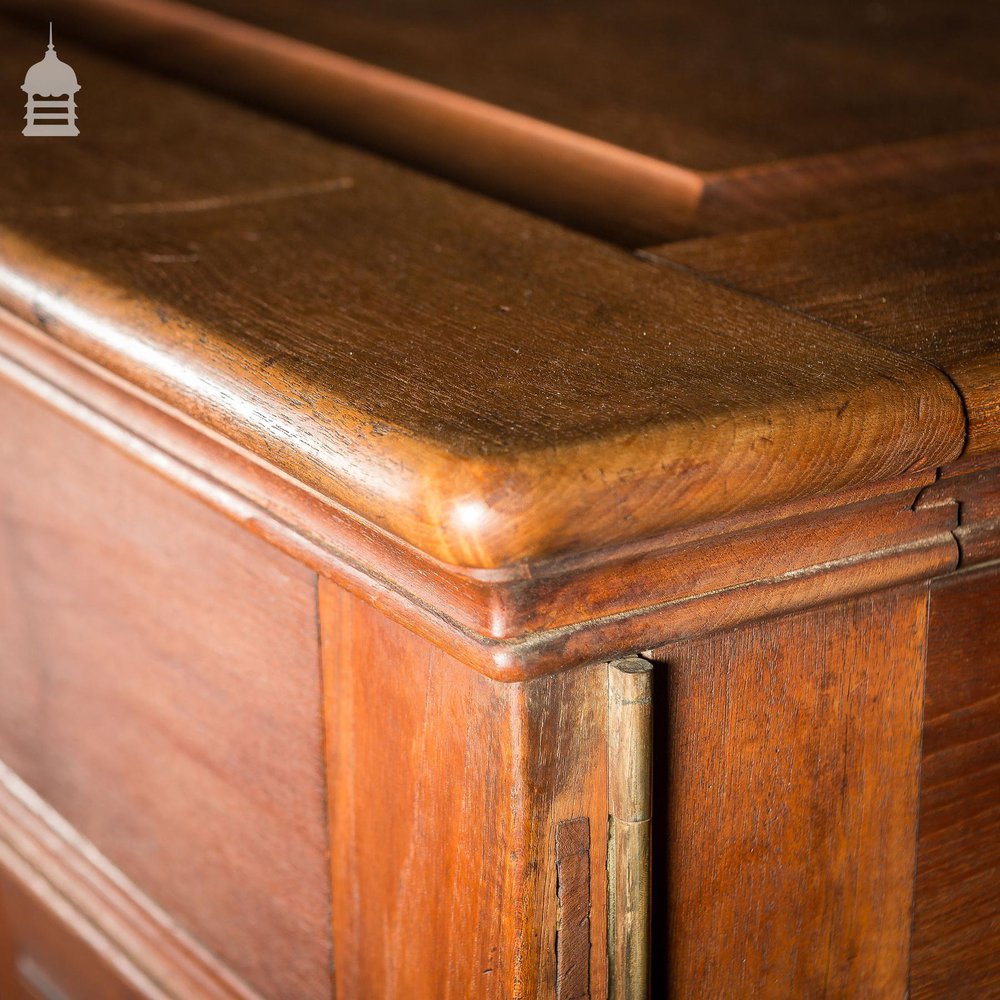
(490,388)
(976,497)
(54,863)
(536,449)
(779,433)
(923,280)
(517,622)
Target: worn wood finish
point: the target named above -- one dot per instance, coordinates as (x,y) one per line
(834,184)
(658,131)
(785,797)
(425,387)
(161,688)
(447,790)
(682,82)
(513,156)
(978,532)
(536,452)
(925,280)
(957,907)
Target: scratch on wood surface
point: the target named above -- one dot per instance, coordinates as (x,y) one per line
(172,258)
(209,203)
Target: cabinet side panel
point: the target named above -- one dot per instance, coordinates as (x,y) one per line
(956,934)
(786,757)
(447,795)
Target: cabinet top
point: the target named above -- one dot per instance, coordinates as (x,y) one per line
(488,387)
(924,279)
(711,87)
(638,121)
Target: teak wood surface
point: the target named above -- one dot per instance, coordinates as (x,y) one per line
(334,499)
(679,82)
(788,759)
(447,792)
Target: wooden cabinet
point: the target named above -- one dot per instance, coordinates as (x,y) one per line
(586,592)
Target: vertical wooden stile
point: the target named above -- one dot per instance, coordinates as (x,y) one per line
(629,820)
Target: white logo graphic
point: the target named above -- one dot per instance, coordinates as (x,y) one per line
(51,78)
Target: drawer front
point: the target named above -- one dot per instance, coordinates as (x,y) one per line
(956,934)
(49,953)
(162,692)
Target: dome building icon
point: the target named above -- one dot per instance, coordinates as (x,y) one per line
(51,86)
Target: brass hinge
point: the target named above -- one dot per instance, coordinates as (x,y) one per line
(630,739)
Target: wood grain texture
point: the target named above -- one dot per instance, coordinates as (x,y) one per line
(785,791)
(504,622)
(924,279)
(978,532)
(486,386)
(826,186)
(86,917)
(161,684)
(957,906)
(447,790)
(509,155)
(658,130)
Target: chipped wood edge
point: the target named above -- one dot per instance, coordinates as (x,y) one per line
(629,827)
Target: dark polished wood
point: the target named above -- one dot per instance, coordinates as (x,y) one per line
(568,611)
(573,924)
(426,387)
(976,494)
(681,82)
(957,907)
